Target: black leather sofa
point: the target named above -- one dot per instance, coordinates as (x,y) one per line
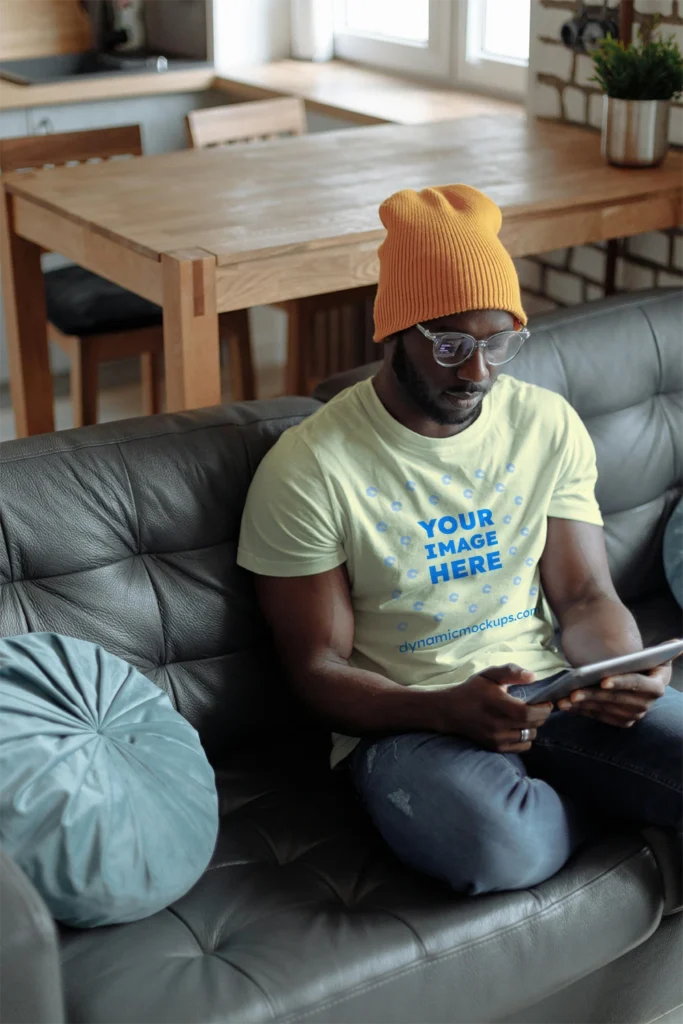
(125,534)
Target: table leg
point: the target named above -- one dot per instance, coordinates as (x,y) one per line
(23,292)
(191,350)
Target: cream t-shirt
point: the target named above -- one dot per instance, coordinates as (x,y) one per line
(441,537)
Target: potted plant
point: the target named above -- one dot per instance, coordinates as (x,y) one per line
(639,81)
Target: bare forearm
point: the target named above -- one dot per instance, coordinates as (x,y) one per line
(597,629)
(359,702)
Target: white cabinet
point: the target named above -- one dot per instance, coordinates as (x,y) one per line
(162,118)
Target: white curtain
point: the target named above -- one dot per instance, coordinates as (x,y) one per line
(312,29)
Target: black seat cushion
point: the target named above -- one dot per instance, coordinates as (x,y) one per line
(81,303)
(305,915)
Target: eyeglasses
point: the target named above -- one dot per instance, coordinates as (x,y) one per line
(452,349)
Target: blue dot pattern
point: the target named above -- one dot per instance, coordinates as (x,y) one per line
(390,560)
(529,561)
(372,492)
(395,594)
(438,617)
(418,606)
(524,531)
(500,488)
(507,520)
(519,499)
(410,485)
(480,474)
(411,574)
(396,506)
(434,499)
(533,591)
(382,527)
(517,580)
(446,480)
(510,467)
(504,599)
(468,493)
(487,588)
(402,627)
(405,541)
(512,550)
(472,609)
(453,597)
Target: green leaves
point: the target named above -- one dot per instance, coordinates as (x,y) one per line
(650,70)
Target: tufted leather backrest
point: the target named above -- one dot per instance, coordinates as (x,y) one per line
(619,362)
(126,534)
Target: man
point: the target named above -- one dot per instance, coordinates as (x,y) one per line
(409,541)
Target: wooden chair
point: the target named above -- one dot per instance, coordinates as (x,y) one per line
(94,320)
(91,319)
(322,330)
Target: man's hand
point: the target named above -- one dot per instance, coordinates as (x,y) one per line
(620,700)
(483,711)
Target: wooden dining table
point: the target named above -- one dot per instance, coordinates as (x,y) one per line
(202,232)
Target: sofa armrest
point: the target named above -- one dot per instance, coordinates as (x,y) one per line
(668,852)
(30,973)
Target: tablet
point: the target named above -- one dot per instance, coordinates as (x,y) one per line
(591,675)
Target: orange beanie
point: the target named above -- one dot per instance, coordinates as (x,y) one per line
(442,255)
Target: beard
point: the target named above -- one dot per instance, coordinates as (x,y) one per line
(430,401)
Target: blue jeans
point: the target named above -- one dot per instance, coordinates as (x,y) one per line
(484,822)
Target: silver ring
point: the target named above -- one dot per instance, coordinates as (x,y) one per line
(525,735)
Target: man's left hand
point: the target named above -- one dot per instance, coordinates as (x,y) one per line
(620,700)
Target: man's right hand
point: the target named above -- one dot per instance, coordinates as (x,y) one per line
(484,712)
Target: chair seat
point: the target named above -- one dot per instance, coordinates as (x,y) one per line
(81,303)
(304,915)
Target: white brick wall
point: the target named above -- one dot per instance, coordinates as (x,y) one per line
(564,288)
(588,261)
(666,280)
(547,21)
(678,253)
(652,246)
(529,274)
(546,101)
(632,278)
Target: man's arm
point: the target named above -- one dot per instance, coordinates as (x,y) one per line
(576,579)
(313,625)
(594,623)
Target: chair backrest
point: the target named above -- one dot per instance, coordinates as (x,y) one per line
(246,122)
(56,149)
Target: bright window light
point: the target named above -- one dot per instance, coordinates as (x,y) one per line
(391,19)
(506,30)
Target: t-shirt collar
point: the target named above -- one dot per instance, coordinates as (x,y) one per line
(397,433)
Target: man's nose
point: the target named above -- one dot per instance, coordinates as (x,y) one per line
(475,369)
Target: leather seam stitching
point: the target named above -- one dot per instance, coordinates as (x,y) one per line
(364,988)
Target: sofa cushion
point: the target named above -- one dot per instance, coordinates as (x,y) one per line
(304,915)
(135,550)
(81,303)
(107,802)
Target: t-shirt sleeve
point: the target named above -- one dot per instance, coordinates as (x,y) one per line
(289,525)
(574,493)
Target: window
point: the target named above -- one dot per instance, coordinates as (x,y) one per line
(480,43)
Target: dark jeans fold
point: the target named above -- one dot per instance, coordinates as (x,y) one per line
(485,822)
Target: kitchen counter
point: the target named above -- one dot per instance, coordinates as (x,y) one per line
(104,87)
(359,95)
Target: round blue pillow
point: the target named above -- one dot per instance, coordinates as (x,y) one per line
(107,799)
(673,552)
